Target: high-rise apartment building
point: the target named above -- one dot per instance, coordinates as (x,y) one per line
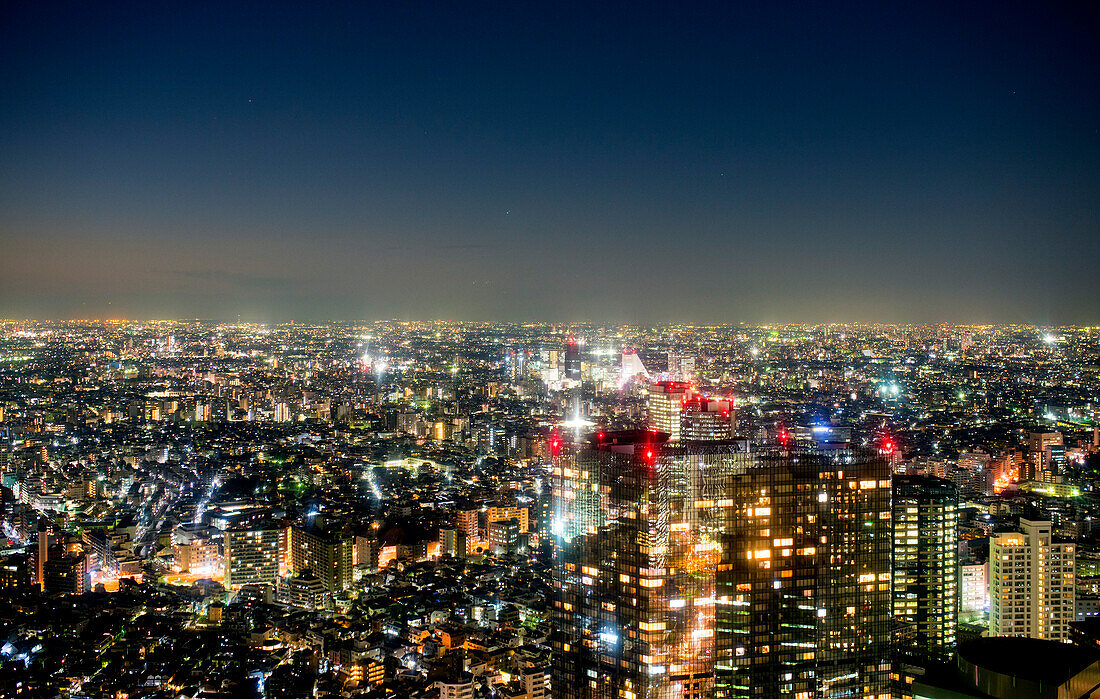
(706,570)
(452,542)
(251,555)
(305,591)
(1031,583)
(329,555)
(467,522)
(198,555)
(925,575)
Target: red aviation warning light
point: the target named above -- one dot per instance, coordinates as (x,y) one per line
(555,444)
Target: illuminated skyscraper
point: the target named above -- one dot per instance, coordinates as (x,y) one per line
(926,585)
(666,405)
(675,408)
(706,570)
(574,358)
(1031,585)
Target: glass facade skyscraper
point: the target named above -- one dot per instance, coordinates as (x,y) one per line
(926,574)
(706,569)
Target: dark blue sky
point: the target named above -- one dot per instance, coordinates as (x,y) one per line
(622,162)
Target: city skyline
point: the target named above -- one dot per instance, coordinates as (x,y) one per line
(633,164)
(550,350)
(533,511)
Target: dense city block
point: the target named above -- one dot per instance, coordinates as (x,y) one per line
(520,511)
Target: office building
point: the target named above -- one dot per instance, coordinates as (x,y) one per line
(1046,457)
(574,359)
(681,366)
(707,419)
(705,570)
(1031,584)
(819,436)
(925,575)
(666,400)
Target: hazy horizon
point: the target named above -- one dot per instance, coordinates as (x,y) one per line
(695,162)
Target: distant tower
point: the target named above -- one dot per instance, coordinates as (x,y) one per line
(573,359)
(631,366)
(681,366)
(43,552)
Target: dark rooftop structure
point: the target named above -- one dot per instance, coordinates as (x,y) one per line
(1005,667)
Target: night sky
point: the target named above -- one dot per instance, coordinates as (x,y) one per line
(551,161)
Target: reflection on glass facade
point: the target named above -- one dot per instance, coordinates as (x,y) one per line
(704,569)
(926,587)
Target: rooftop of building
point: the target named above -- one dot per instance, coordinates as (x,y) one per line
(1032,659)
(673,386)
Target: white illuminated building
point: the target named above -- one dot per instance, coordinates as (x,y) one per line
(1031,584)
